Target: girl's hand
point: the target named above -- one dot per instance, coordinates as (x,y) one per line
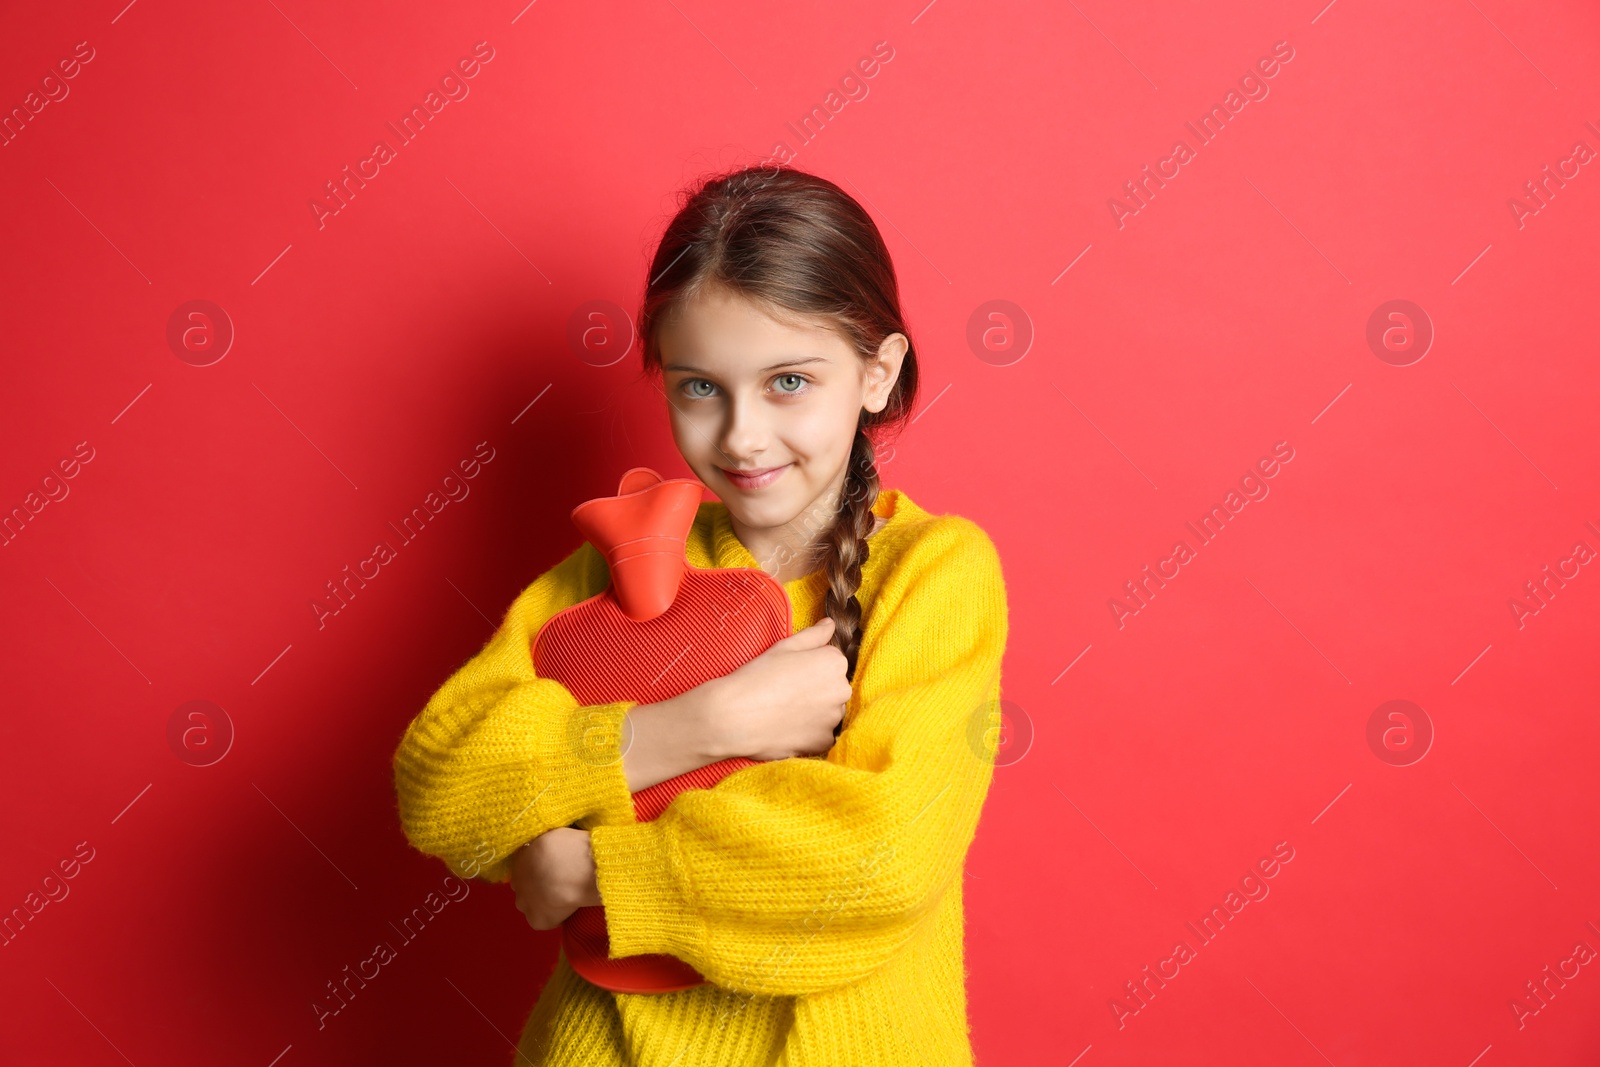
(554,876)
(785,702)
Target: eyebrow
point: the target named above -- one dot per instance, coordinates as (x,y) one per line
(775,366)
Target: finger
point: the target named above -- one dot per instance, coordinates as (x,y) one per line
(813,636)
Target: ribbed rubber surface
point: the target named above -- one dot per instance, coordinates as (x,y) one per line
(721,619)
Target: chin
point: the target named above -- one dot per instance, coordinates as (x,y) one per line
(769,512)
(762,514)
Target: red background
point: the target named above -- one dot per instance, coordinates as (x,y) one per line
(434,311)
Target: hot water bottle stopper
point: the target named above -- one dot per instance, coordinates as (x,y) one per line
(660,629)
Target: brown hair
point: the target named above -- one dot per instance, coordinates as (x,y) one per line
(795,242)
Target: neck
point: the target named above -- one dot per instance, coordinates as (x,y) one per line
(788,552)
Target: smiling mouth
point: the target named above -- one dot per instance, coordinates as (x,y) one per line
(754,478)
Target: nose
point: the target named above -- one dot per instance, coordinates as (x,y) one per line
(744,433)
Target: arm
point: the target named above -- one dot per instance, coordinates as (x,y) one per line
(800,875)
(498,756)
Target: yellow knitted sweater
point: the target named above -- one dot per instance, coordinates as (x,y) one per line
(821,898)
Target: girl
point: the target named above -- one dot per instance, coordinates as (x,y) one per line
(821,898)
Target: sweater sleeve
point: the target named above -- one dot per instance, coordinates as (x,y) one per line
(498,756)
(800,875)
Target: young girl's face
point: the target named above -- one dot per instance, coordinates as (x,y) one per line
(747,392)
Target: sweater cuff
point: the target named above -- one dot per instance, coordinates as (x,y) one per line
(580,754)
(648,898)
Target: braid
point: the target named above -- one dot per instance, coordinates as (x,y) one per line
(847,549)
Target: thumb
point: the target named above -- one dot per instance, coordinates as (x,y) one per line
(813,636)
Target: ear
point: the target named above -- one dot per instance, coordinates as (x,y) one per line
(883,371)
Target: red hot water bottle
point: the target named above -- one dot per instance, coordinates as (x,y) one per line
(662,628)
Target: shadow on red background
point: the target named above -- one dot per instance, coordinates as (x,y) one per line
(1434,895)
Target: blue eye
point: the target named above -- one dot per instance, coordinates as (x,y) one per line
(692,382)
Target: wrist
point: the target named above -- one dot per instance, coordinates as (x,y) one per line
(671,737)
(590,890)
(698,721)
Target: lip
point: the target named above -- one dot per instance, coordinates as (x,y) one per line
(753,479)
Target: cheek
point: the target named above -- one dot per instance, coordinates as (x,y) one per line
(817,426)
(696,443)
(684,429)
(828,436)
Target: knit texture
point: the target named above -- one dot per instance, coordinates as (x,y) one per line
(821,898)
